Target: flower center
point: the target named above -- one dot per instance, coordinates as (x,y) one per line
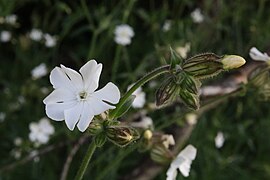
(82,95)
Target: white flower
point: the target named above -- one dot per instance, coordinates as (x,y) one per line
(50,41)
(123,34)
(167,140)
(18,141)
(39,71)
(75,99)
(219,140)
(145,123)
(5,36)
(41,131)
(2,116)
(36,34)
(182,162)
(11,19)
(139,100)
(197,16)
(183,50)
(167,26)
(255,54)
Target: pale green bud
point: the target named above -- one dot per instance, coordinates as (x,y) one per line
(232,62)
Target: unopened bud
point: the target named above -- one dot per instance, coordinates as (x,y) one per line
(122,135)
(148,134)
(100,139)
(95,128)
(232,62)
(167,92)
(189,99)
(161,154)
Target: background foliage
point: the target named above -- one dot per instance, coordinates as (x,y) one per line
(85,30)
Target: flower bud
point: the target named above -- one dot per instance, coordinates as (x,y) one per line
(232,62)
(147,134)
(203,65)
(159,153)
(189,99)
(95,128)
(167,92)
(100,139)
(122,135)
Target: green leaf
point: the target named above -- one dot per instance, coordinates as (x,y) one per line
(121,110)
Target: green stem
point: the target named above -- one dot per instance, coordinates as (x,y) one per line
(92,45)
(116,62)
(139,83)
(90,151)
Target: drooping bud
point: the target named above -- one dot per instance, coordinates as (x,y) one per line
(232,62)
(159,153)
(190,84)
(122,135)
(203,65)
(167,92)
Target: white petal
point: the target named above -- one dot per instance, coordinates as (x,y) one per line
(56,111)
(86,117)
(185,168)
(60,95)
(188,153)
(90,74)
(72,115)
(75,77)
(171,173)
(98,106)
(59,79)
(109,93)
(255,54)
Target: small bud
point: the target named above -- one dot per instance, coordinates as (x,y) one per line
(191,118)
(100,139)
(232,62)
(167,92)
(161,154)
(189,99)
(122,135)
(95,128)
(147,134)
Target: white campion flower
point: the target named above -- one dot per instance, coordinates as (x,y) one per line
(41,131)
(36,35)
(75,98)
(145,123)
(139,100)
(5,36)
(11,19)
(39,71)
(197,16)
(50,41)
(123,34)
(256,55)
(18,141)
(167,140)
(219,140)
(182,162)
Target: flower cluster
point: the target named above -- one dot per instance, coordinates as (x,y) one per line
(38,35)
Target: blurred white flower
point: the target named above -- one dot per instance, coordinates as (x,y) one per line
(191,118)
(167,26)
(182,162)
(123,34)
(21,99)
(167,140)
(11,19)
(197,16)
(74,98)
(5,36)
(39,71)
(41,131)
(145,123)
(183,50)
(44,90)
(2,116)
(36,34)
(16,153)
(18,141)
(219,140)
(50,41)
(255,54)
(139,100)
